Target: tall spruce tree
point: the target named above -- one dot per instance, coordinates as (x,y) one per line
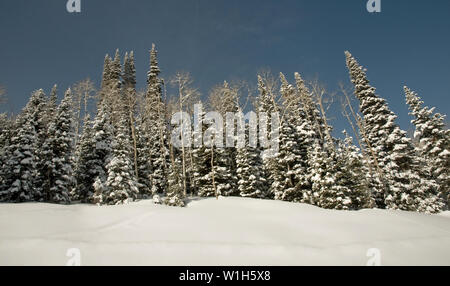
(433,142)
(57,150)
(52,104)
(37,110)
(106,78)
(86,159)
(20,165)
(115,71)
(130,104)
(396,154)
(24,165)
(295,140)
(266,106)
(143,159)
(103,138)
(156,127)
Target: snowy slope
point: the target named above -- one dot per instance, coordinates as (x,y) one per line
(230,231)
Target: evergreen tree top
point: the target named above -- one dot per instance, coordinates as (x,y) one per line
(115,70)
(106,76)
(154,68)
(154,89)
(129,70)
(54,93)
(359,78)
(265,101)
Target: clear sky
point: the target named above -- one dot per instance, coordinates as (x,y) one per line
(216,40)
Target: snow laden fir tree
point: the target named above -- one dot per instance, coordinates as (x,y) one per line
(122,151)
(402,184)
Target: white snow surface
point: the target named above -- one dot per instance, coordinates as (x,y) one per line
(228,231)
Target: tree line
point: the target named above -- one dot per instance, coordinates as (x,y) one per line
(57,153)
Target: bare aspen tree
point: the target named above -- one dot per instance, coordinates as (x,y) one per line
(213,173)
(173,106)
(131,101)
(309,105)
(347,115)
(186,96)
(359,122)
(224,98)
(346,104)
(82,92)
(273,86)
(322,98)
(163,115)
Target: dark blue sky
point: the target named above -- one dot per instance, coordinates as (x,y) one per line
(407,43)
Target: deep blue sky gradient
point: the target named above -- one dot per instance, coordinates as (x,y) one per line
(216,40)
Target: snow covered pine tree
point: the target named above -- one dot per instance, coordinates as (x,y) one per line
(433,143)
(404,186)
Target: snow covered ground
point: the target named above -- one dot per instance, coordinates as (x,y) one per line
(230,231)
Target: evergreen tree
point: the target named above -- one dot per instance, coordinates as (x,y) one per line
(250,172)
(224,180)
(106,78)
(156,127)
(129,71)
(353,171)
(129,87)
(115,72)
(202,173)
(396,155)
(103,138)
(21,163)
(6,134)
(22,168)
(291,181)
(130,104)
(85,174)
(37,113)
(202,165)
(322,175)
(6,131)
(120,186)
(143,159)
(341,185)
(57,149)
(433,142)
(175,193)
(116,99)
(266,105)
(212,172)
(225,99)
(52,104)
(336,177)
(310,112)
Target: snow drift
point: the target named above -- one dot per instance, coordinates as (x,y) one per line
(228,231)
